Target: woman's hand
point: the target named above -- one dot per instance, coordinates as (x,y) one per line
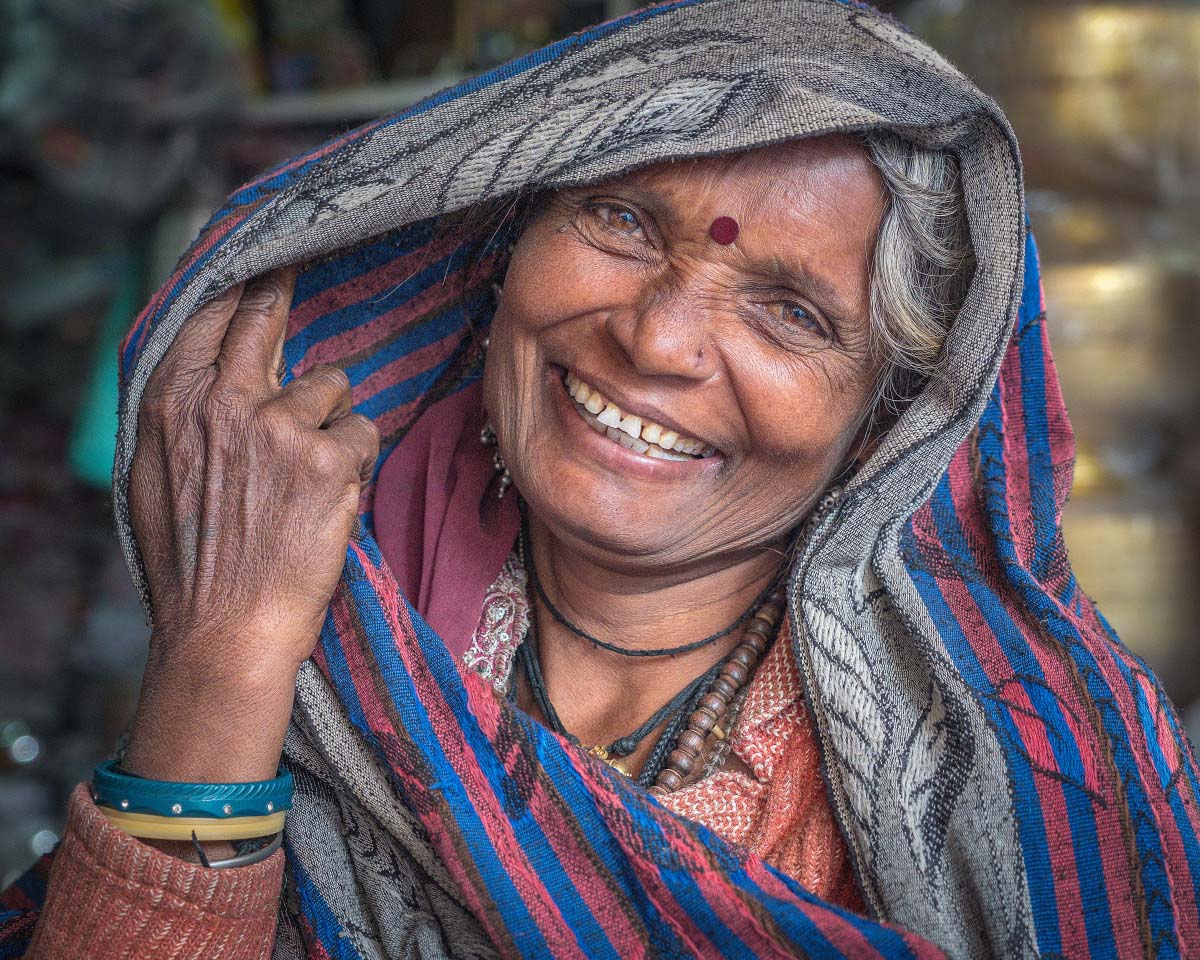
(243,499)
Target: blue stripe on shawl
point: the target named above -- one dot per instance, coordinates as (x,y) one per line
(1027,804)
(516,916)
(1191,842)
(557,766)
(15,948)
(1093,887)
(356,314)
(682,883)
(1045,512)
(452,320)
(1154,882)
(589,933)
(562,774)
(362,260)
(1043,505)
(339,674)
(326,926)
(1154,876)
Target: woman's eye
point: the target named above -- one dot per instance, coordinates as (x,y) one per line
(618,219)
(800,316)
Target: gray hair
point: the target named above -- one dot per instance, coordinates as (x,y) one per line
(921,269)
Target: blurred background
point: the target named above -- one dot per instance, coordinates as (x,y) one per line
(123,124)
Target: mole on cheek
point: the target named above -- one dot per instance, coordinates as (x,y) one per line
(724,230)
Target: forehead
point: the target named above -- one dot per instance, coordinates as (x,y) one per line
(795,186)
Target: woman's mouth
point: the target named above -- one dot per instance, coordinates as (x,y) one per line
(638,434)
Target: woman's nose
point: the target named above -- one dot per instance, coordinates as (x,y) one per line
(667,334)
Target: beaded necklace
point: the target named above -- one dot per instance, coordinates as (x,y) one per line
(697,717)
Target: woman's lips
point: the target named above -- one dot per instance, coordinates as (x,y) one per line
(636,433)
(584,431)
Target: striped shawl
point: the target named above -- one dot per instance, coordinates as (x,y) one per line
(1010,779)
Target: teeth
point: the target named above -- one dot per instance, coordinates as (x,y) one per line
(641,436)
(659,454)
(611,417)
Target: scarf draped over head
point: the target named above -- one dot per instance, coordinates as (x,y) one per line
(1010,779)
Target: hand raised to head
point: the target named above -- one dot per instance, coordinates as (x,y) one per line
(243,495)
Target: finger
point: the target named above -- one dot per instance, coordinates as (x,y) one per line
(359,435)
(198,342)
(258,325)
(318,397)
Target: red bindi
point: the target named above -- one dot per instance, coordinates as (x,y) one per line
(724,230)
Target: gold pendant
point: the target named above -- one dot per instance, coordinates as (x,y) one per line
(603,754)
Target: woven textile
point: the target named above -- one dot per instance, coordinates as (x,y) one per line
(1011,781)
(778,809)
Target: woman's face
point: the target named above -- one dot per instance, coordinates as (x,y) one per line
(754,353)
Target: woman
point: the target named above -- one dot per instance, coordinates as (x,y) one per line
(813,353)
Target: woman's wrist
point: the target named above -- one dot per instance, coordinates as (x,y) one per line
(202,725)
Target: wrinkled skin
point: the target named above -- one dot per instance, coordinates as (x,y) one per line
(759,348)
(243,498)
(243,494)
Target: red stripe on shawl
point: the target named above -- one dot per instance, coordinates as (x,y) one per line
(521,872)
(1162,732)
(1016,456)
(573,854)
(849,941)
(1062,451)
(409,365)
(363,337)
(575,858)
(14,898)
(1052,666)
(314,949)
(380,725)
(395,419)
(214,234)
(1111,831)
(1026,718)
(382,279)
(1175,863)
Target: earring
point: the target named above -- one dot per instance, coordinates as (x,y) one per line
(500,475)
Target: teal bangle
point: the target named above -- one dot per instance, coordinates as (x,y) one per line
(113,787)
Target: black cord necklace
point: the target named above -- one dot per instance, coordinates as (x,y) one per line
(526,553)
(674,712)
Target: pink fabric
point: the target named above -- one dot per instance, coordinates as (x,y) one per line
(441,529)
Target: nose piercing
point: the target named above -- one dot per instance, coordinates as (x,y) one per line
(724,230)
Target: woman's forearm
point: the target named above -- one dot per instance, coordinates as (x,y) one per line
(221,723)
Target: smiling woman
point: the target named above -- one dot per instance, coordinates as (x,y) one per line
(747,631)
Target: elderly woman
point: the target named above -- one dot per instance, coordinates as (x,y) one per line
(708,596)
